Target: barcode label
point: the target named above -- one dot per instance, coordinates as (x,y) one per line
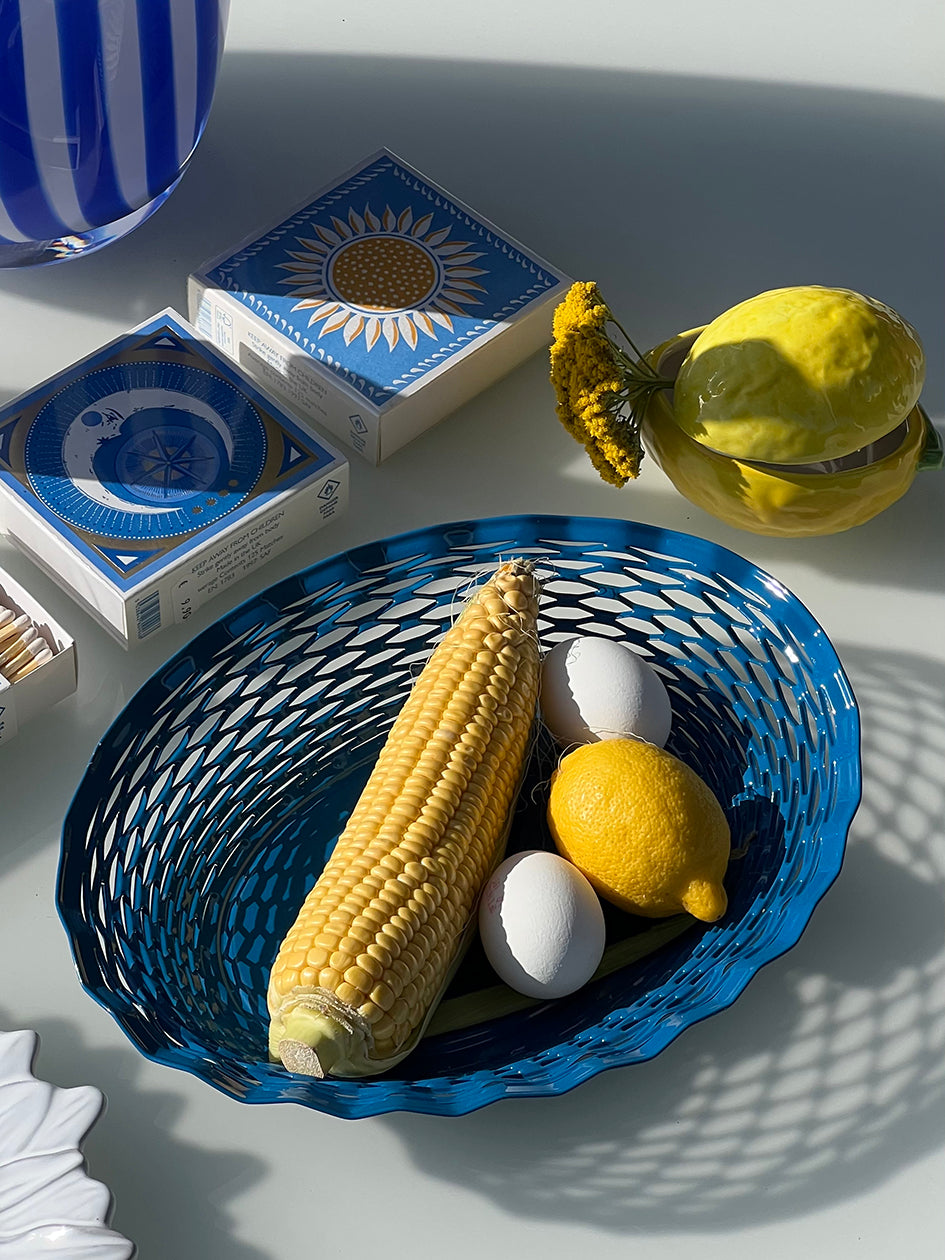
(204,321)
(148,614)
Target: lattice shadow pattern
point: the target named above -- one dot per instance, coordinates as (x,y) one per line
(210,805)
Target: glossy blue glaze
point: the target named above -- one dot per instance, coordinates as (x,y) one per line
(101,105)
(210,805)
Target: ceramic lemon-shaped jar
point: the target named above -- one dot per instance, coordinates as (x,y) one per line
(794,413)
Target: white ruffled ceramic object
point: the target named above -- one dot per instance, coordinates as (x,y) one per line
(49,1206)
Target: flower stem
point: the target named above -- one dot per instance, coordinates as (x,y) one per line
(638,364)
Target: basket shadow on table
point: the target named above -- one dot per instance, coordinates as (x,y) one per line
(789,1100)
(824,1079)
(169,1197)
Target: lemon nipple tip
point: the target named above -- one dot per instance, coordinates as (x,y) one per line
(705,900)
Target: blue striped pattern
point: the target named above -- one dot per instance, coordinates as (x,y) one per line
(101,105)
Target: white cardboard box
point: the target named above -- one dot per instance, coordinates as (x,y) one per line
(47,683)
(378,306)
(153,474)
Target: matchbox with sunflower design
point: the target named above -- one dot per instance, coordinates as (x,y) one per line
(379,306)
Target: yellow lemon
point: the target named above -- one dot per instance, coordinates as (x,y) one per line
(799,375)
(643,827)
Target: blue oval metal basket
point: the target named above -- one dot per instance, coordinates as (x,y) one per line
(211,803)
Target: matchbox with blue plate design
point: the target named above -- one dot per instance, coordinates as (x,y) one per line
(154,473)
(378,306)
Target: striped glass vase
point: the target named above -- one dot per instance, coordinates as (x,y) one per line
(102,103)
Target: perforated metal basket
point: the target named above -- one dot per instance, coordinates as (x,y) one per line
(210,805)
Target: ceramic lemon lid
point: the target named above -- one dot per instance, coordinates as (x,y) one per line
(799,375)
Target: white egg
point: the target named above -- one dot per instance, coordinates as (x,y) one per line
(541,924)
(594,688)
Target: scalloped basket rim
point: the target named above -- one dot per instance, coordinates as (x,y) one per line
(449,1095)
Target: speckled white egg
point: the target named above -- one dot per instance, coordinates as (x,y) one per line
(594,688)
(541,924)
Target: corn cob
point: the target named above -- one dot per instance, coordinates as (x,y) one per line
(376,943)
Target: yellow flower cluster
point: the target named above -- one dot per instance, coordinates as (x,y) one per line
(587,378)
(600,389)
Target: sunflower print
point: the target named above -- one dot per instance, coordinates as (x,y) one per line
(390,276)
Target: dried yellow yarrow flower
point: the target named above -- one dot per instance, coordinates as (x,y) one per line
(600,388)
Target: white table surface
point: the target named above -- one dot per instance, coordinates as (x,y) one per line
(685,155)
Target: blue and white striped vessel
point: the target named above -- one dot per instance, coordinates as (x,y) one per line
(102,103)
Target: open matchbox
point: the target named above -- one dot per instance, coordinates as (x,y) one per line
(48,683)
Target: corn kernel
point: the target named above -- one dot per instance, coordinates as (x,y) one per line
(381,926)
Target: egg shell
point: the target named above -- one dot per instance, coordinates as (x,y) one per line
(594,688)
(541,925)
